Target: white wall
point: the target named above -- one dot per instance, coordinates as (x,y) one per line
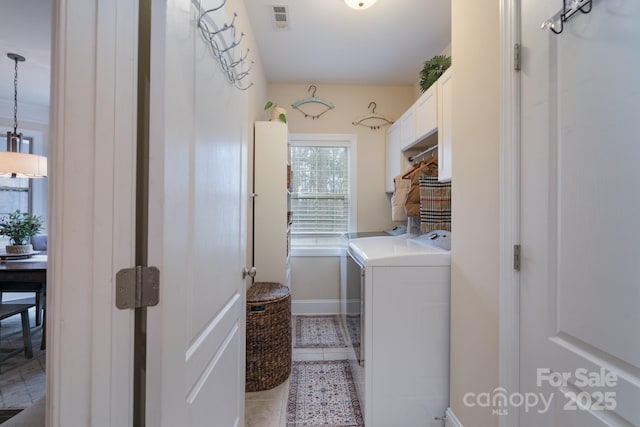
(475,203)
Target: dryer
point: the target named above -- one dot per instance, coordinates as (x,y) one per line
(402,374)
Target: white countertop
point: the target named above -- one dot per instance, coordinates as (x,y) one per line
(397,251)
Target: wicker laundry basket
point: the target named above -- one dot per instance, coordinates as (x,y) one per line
(268,335)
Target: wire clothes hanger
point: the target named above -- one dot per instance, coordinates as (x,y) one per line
(312,100)
(375,120)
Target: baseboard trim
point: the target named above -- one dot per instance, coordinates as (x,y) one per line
(315,306)
(452,420)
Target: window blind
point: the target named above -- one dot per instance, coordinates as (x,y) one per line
(320,190)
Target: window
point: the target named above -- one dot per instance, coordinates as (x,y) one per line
(15,193)
(322,187)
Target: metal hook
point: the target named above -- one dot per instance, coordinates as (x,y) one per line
(374,106)
(226,27)
(236,84)
(241,60)
(556,22)
(209,10)
(244,74)
(233,45)
(314,90)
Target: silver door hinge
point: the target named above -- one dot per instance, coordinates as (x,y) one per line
(516,257)
(137,287)
(516,57)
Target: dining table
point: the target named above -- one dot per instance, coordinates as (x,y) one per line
(27,274)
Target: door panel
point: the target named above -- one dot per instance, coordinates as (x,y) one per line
(580,208)
(197,196)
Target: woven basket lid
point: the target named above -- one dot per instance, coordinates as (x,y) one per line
(266,291)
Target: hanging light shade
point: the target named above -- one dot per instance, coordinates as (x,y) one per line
(13,163)
(359,4)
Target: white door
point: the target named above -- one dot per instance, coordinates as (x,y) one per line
(580,236)
(197,238)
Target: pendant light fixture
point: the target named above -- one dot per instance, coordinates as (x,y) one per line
(13,163)
(359,4)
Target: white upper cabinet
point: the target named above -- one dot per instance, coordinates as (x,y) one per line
(445,113)
(408,127)
(394,160)
(426,113)
(411,133)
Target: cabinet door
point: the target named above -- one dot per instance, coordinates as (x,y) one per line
(444,126)
(408,125)
(427,113)
(393,155)
(270,212)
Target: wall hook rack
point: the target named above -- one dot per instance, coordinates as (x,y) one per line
(569,8)
(221,39)
(373,120)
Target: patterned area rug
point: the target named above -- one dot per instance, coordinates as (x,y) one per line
(353,328)
(322,393)
(318,332)
(22,381)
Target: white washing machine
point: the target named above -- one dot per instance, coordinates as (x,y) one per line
(402,369)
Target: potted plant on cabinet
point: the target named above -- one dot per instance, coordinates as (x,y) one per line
(432,70)
(277,113)
(20,227)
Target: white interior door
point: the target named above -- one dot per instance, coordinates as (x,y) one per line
(580,216)
(197,237)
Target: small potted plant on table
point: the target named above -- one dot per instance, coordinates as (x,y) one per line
(20,227)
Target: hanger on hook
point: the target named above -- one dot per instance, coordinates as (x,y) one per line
(373,120)
(312,100)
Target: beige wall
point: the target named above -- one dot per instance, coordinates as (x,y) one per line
(475,202)
(319,277)
(315,278)
(256,96)
(374,211)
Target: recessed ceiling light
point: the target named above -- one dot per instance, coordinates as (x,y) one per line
(359,4)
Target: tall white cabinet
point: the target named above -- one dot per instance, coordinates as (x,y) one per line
(271,203)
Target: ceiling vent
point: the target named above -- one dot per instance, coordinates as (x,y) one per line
(280,16)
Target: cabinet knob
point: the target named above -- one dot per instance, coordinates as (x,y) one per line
(253,195)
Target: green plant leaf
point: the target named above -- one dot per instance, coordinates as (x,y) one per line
(20,227)
(268,105)
(432,70)
(283,118)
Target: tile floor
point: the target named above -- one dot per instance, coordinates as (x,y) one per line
(22,381)
(269,408)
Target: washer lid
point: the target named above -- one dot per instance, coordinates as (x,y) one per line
(398,251)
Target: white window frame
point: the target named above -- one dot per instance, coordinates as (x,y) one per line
(319,245)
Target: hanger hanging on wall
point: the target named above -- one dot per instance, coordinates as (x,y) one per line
(312,100)
(373,120)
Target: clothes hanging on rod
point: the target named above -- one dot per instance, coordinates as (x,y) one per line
(401,188)
(427,167)
(435,204)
